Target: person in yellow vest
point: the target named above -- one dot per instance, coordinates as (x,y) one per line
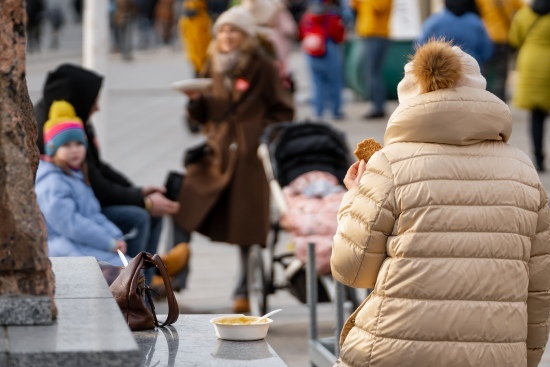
(195,32)
(372,25)
(497,17)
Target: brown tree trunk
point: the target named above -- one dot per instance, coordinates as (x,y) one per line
(25,269)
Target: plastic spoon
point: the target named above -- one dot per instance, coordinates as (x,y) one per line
(267,315)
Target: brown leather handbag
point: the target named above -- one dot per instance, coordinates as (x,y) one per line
(132,295)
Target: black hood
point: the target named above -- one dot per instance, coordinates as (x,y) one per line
(541,7)
(461,7)
(71,83)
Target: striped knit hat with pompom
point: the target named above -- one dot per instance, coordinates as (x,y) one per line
(62,127)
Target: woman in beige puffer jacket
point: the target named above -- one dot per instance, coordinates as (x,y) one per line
(450,226)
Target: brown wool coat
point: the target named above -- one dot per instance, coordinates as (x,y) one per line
(451,228)
(226,195)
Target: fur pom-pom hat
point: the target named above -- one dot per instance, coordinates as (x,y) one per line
(439,65)
(62,127)
(238,16)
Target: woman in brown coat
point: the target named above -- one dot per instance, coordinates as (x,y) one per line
(225,194)
(450,225)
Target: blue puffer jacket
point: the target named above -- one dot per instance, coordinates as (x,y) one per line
(76,226)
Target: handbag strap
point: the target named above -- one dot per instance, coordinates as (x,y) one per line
(173,309)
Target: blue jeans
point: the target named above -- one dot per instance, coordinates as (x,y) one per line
(374,53)
(130,217)
(327,74)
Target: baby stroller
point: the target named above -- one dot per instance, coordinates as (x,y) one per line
(288,151)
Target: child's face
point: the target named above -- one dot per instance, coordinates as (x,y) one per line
(73,153)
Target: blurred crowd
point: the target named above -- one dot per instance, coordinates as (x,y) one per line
(243,48)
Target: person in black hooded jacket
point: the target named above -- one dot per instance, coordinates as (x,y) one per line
(126,205)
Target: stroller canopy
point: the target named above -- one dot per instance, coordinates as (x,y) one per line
(297,148)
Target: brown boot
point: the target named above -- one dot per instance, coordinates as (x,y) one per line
(157,286)
(176,259)
(241,305)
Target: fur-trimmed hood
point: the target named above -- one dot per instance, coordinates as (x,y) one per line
(443,100)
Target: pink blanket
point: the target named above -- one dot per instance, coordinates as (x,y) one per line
(313,201)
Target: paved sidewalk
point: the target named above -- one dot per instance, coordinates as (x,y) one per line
(147,139)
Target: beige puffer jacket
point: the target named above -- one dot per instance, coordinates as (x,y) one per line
(450,225)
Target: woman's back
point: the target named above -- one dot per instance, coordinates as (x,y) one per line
(451,226)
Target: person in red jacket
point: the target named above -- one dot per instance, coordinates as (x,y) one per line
(322,31)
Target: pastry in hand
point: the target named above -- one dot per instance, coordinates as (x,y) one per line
(366,149)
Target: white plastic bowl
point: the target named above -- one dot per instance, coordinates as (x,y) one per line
(230,330)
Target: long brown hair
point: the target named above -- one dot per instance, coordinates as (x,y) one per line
(67,170)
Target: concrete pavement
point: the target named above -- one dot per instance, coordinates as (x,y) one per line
(147,138)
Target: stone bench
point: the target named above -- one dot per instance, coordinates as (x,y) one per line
(89,331)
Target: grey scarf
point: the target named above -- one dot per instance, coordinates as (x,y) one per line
(225,62)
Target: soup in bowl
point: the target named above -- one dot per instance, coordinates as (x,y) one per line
(240,327)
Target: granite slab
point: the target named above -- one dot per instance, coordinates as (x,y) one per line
(79,277)
(192,341)
(3,347)
(25,310)
(90,331)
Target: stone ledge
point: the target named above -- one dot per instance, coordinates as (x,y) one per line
(89,331)
(79,277)
(3,347)
(25,310)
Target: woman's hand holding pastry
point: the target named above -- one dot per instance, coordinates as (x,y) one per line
(355,172)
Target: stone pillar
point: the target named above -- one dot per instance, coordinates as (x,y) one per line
(26,279)
(95,55)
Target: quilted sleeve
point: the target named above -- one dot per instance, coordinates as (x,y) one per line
(365,220)
(538,300)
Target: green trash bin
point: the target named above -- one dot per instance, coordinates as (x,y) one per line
(396,58)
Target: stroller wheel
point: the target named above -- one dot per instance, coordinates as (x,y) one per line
(257,293)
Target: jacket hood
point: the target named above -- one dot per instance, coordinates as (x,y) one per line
(460,116)
(541,7)
(74,84)
(443,100)
(461,7)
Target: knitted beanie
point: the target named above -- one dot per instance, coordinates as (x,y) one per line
(239,17)
(62,127)
(439,65)
(263,11)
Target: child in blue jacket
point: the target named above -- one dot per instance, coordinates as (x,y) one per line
(75,224)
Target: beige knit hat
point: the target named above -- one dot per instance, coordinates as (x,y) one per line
(239,17)
(439,65)
(263,11)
